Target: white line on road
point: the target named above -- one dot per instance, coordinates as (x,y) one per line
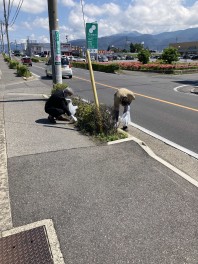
(187,151)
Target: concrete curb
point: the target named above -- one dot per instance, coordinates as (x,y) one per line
(194,90)
(5,210)
(154,156)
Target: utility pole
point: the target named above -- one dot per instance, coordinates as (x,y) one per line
(54,41)
(2,40)
(6,28)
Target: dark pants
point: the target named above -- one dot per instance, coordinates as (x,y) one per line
(55,112)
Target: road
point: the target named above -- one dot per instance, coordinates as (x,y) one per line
(158,106)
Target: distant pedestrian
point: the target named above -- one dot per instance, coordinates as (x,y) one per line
(57,105)
(123,97)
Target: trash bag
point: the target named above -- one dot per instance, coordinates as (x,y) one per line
(72,108)
(126,117)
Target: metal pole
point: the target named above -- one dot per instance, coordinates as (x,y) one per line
(6,27)
(2,41)
(54,41)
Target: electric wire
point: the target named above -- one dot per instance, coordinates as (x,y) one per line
(16,13)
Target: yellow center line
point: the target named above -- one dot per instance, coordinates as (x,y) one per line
(142,95)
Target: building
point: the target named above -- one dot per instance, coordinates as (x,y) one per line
(185,48)
(34,48)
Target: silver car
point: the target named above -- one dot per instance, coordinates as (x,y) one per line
(65,67)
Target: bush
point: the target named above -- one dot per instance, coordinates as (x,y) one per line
(58,86)
(6,58)
(35,59)
(13,64)
(143,56)
(108,67)
(170,54)
(98,124)
(22,70)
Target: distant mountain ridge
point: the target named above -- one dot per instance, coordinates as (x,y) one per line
(154,42)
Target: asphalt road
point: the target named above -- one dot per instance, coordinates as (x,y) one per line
(158,107)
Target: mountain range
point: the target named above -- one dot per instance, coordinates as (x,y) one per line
(153,42)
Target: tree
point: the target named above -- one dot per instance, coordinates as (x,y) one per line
(170,54)
(143,56)
(109,48)
(138,47)
(132,47)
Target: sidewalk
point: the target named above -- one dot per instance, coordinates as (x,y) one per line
(108,204)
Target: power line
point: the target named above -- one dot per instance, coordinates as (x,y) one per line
(16,13)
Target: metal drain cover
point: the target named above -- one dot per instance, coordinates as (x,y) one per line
(27,247)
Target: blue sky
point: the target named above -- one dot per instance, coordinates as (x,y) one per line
(114,16)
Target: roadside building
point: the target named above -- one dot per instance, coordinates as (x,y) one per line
(34,48)
(186,48)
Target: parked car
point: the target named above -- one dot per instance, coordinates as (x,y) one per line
(65,67)
(102,58)
(129,57)
(78,59)
(26,61)
(195,57)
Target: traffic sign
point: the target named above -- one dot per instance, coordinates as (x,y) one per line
(92,37)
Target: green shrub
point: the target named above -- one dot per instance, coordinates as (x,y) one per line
(58,86)
(100,124)
(22,70)
(143,56)
(6,58)
(13,64)
(35,59)
(82,65)
(170,54)
(109,67)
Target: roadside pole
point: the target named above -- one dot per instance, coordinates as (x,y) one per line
(54,41)
(6,28)
(92,80)
(2,40)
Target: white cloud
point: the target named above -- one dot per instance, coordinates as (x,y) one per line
(69,3)
(41,22)
(43,39)
(33,6)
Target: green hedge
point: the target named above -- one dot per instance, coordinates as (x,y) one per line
(108,67)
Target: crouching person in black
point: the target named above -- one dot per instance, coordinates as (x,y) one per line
(56,105)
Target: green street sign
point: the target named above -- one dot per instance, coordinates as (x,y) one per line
(92,37)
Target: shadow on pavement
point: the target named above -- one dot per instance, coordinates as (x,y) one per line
(46,123)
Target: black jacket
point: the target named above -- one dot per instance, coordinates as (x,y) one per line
(57,100)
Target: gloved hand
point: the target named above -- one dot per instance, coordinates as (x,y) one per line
(73,119)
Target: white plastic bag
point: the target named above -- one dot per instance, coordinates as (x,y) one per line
(72,108)
(126,117)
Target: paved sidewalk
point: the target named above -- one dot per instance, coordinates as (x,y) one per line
(109,204)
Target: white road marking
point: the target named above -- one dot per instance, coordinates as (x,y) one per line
(170,143)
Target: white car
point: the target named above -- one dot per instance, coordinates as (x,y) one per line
(79,59)
(65,67)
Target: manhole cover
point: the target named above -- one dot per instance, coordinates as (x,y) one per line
(28,247)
